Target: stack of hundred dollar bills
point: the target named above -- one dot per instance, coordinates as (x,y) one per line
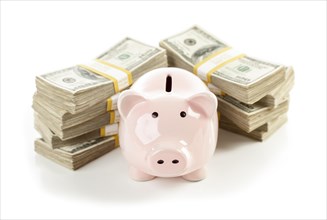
(76,108)
(253,95)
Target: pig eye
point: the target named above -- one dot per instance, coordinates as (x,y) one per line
(155,114)
(183,114)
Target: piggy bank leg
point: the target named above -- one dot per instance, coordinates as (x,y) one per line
(196,175)
(138,175)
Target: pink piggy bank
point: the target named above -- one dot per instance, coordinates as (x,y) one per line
(168,125)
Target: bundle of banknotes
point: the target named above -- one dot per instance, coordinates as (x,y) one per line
(75,109)
(253,95)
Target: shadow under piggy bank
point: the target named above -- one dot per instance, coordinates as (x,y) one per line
(237,162)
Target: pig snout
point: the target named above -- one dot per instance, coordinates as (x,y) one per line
(168,162)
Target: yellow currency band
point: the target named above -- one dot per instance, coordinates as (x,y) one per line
(196,67)
(109,104)
(129,74)
(102,131)
(116,140)
(218,116)
(221,65)
(104,75)
(112,117)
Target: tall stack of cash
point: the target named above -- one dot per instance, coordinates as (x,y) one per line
(76,108)
(253,95)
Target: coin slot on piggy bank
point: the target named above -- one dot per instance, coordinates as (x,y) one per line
(168,83)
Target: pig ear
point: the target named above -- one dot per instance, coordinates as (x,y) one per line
(127,100)
(204,103)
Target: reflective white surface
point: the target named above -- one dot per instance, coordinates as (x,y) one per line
(283,177)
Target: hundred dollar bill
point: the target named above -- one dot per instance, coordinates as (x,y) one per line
(260,133)
(274,97)
(69,130)
(77,155)
(77,88)
(249,117)
(278,95)
(54,141)
(63,118)
(245,78)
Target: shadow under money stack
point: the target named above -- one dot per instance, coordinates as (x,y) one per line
(76,108)
(253,95)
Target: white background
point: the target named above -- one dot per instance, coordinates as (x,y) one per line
(283,177)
